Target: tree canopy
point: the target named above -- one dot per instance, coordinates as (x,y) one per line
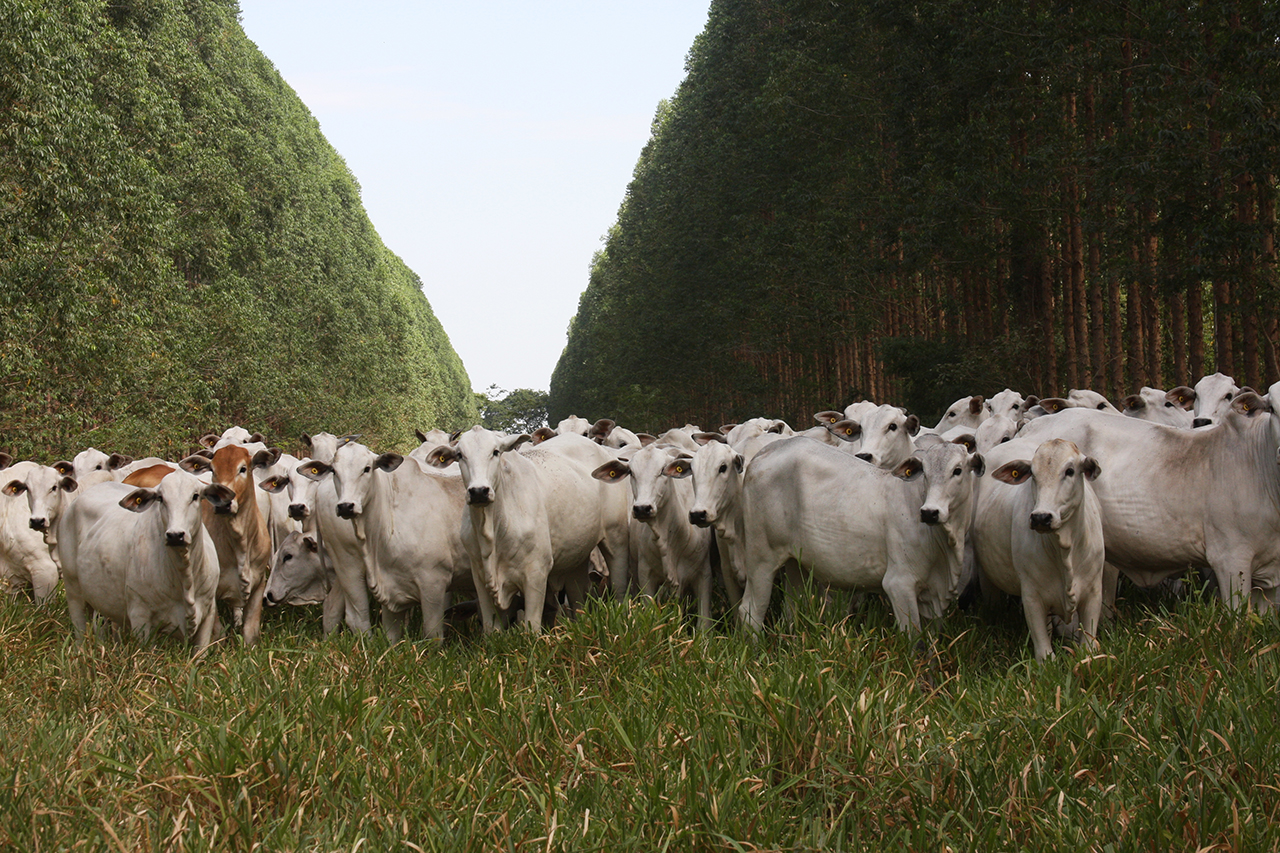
(181,248)
(909,201)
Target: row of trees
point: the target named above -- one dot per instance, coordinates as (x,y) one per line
(913,201)
(181,249)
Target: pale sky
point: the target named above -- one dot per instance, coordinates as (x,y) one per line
(493,141)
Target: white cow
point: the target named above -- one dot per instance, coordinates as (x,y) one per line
(299,576)
(1177,498)
(1212,400)
(1171,408)
(717,471)
(856,526)
(1043,541)
(142,557)
(91,466)
(533,519)
(31,497)
(669,549)
(994,431)
(886,436)
(408,521)
(1010,404)
(967,412)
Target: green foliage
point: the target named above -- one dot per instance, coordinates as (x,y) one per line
(832,174)
(623,731)
(181,248)
(520,411)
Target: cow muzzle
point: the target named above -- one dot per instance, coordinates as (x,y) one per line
(297,512)
(644,512)
(41,524)
(346,510)
(1042,522)
(698,518)
(1201,422)
(479,496)
(865,457)
(930,515)
(175,538)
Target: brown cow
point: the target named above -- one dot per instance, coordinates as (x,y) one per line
(239,531)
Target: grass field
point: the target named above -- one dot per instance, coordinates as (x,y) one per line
(624,731)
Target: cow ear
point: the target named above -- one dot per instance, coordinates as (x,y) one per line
(705,438)
(311,544)
(266,458)
(1053,405)
(218,495)
(779,427)
(306,440)
(909,470)
(442,456)
(68,484)
(118,460)
(64,468)
(967,441)
(208,440)
(612,471)
(1133,403)
(828,417)
(975,404)
(257,438)
(646,438)
(5,460)
(913,424)
(1248,403)
(196,464)
(14,488)
(725,429)
(540,435)
(977,464)
(139,499)
(422,436)
(275,483)
(388,461)
(738,462)
(1029,401)
(314,469)
(845,429)
(511,442)
(602,428)
(1091,468)
(1014,473)
(1182,396)
(679,468)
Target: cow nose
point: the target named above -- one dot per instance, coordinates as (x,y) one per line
(698,517)
(270,599)
(1041,521)
(1200,422)
(479,495)
(175,538)
(929,515)
(643,511)
(39,524)
(865,457)
(297,511)
(346,510)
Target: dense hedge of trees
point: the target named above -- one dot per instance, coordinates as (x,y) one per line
(181,249)
(910,201)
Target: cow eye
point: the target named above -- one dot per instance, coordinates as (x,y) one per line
(724,468)
(286,558)
(98,467)
(243,469)
(1003,440)
(893,427)
(956,473)
(1071,472)
(1101,406)
(1168,405)
(195,498)
(368,468)
(496,451)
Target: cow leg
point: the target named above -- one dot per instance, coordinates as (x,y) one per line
(793,585)
(535,593)
(393,623)
(253,613)
(616,551)
(704,598)
(335,608)
(1089,613)
(1110,582)
(1038,624)
(1234,573)
(44,579)
(433,598)
(80,613)
(204,631)
(755,597)
(901,588)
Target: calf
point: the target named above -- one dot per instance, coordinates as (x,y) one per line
(142,557)
(29,555)
(1043,541)
(810,508)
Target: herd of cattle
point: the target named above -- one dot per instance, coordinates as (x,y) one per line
(1048,500)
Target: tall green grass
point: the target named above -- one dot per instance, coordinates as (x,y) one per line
(623,730)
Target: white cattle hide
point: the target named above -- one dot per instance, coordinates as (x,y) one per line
(31,498)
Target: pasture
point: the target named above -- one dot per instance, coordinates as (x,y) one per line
(623,730)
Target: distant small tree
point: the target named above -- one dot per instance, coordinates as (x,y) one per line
(518,411)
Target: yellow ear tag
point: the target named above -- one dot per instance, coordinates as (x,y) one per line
(613,475)
(679,469)
(1014,473)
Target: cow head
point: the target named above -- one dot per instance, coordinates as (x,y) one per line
(479,453)
(48,491)
(650,481)
(298,576)
(1059,470)
(1213,396)
(354,468)
(717,480)
(886,437)
(949,470)
(178,498)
